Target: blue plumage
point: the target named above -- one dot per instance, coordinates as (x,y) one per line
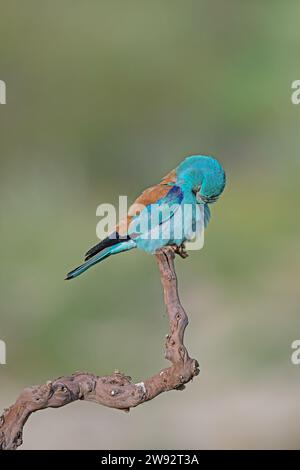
(173,212)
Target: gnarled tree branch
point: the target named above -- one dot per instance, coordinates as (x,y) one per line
(116,390)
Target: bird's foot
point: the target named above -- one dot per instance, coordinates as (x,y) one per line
(180,250)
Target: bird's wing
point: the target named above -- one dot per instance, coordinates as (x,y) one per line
(149,196)
(149,219)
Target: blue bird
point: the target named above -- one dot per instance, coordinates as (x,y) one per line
(168,214)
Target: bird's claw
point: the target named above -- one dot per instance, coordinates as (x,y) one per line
(180,250)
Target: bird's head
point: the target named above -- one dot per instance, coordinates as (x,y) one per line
(204,176)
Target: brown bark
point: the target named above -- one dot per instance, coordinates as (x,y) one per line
(116,390)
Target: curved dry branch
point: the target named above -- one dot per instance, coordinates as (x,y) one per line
(116,390)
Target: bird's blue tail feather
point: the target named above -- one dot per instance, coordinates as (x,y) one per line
(124,246)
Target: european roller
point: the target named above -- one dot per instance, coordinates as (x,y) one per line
(168,214)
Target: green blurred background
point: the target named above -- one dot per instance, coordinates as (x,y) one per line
(104,98)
